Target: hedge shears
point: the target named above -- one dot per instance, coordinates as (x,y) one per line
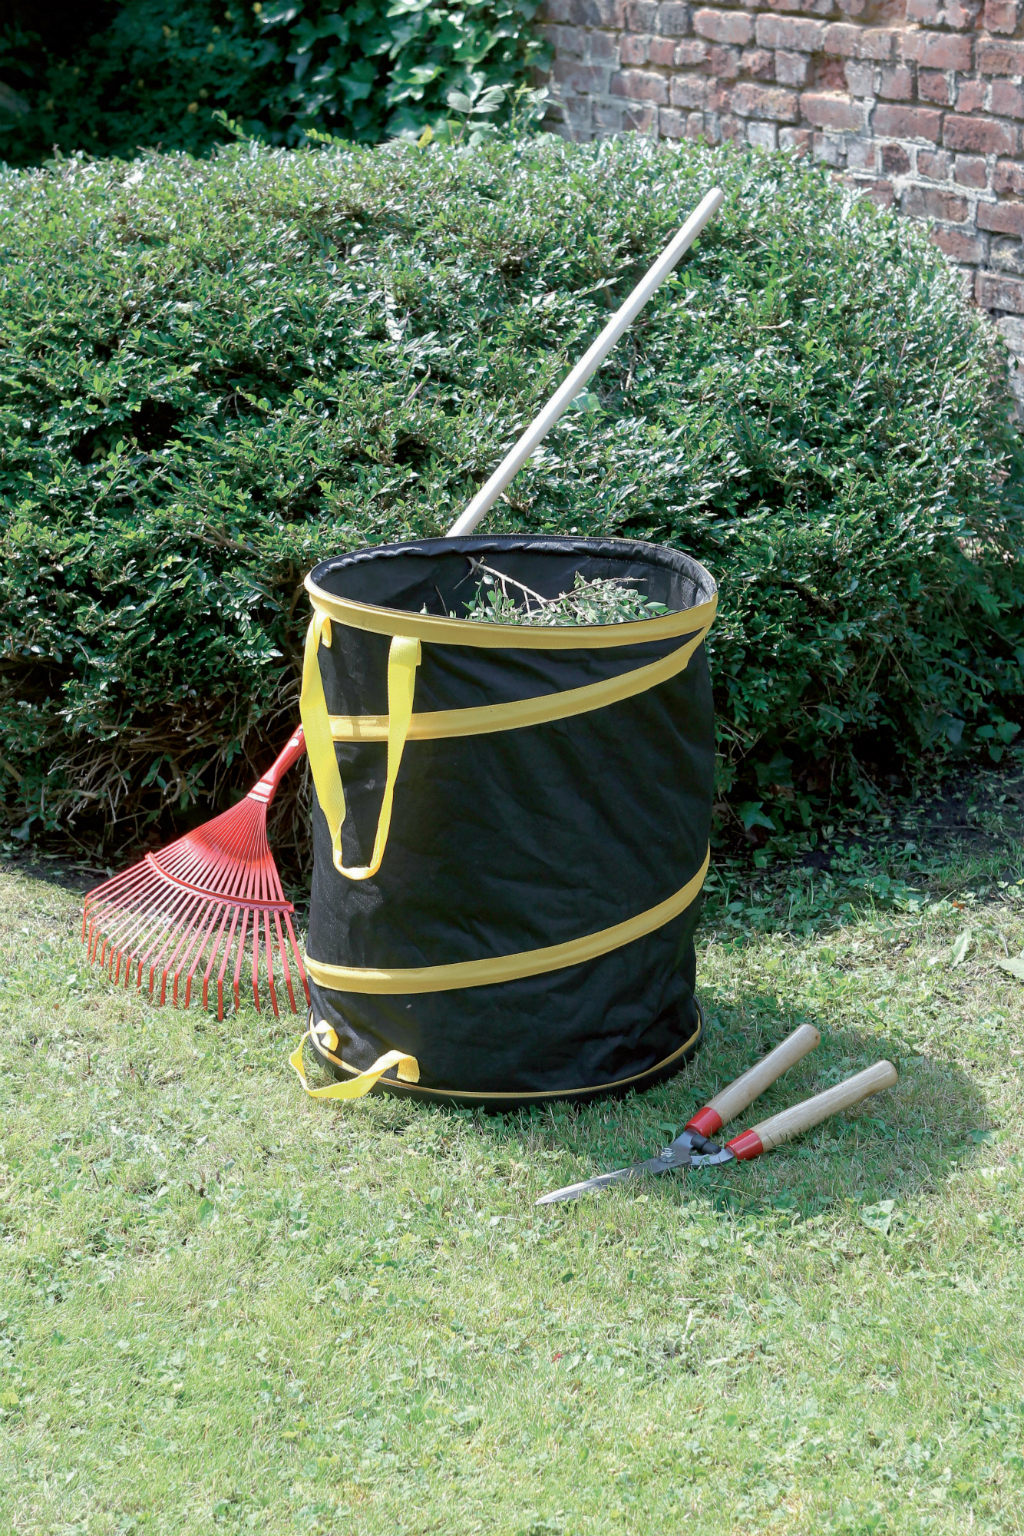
(694,1148)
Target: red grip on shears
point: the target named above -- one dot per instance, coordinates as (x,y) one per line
(746,1144)
(705,1122)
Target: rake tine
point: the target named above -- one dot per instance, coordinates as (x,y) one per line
(282,951)
(224,963)
(201,930)
(298,959)
(132,928)
(216,909)
(151,939)
(150,934)
(256,961)
(270,967)
(175,961)
(241,955)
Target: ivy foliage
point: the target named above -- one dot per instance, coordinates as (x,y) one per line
(188,74)
(215,373)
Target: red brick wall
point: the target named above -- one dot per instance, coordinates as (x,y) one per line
(921,102)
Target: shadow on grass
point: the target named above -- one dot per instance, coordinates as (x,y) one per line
(895,1145)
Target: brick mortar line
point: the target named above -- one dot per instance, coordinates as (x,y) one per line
(956,161)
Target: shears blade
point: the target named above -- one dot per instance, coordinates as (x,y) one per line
(712,1159)
(667,1160)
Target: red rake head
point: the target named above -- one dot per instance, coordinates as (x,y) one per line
(210,905)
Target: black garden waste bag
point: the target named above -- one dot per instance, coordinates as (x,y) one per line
(511,824)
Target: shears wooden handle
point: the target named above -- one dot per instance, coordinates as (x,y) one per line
(725,1106)
(801,1117)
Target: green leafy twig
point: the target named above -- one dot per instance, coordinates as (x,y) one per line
(602,600)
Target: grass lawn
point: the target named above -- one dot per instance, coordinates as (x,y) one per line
(226,1308)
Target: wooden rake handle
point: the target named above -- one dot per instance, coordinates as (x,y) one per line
(801,1117)
(587,366)
(725,1106)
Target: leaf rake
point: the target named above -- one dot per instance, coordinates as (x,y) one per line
(210,905)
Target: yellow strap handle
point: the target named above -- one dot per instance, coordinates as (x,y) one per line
(408,1072)
(403,659)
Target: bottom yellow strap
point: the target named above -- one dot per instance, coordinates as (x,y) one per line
(511,1099)
(408,1072)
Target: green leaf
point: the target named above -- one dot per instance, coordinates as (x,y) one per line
(751,815)
(878,1217)
(958,954)
(586,400)
(490,101)
(1014,966)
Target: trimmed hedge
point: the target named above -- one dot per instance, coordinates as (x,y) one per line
(213,374)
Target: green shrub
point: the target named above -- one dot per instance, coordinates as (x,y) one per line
(170,73)
(213,374)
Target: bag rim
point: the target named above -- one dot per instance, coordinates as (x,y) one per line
(382,620)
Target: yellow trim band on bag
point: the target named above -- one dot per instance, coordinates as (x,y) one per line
(528,962)
(526,637)
(403,660)
(521,712)
(408,1072)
